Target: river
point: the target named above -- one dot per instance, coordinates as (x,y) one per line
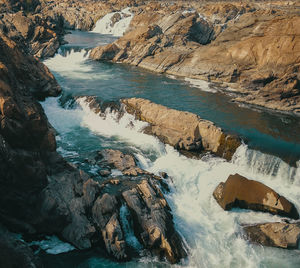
(270,154)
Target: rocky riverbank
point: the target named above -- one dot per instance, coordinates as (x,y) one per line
(250,49)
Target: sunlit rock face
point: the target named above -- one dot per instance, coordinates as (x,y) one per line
(240,192)
(274,234)
(183,130)
(226,43)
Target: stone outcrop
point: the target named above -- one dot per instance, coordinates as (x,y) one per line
(149,213)
(252,50)
(39,25)
(240,192)
(126,163)
(274,234)
(37,34)
(183,130)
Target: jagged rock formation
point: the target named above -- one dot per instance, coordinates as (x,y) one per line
(138,192)
(37,34)
(116,159)
(274,234)
(183,130)
(240,192)
(253,50)
(39,25)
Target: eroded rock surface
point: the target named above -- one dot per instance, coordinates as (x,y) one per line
(274,234)
(123,162)
(183,130)
(240,192)
(253,50)
(151,217)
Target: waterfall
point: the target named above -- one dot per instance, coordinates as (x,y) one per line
(107,25)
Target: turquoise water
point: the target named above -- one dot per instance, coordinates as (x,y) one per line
(212,235)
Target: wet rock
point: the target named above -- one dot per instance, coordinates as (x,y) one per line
(274,234)
(153,222)
(183,130)
(123,162)
(104,172)
(105,214)
(240,192)
(98,106)
(15,253)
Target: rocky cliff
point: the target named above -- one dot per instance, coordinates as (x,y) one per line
(251,49)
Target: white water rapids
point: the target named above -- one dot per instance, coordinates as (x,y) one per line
(105,25)
(212,234)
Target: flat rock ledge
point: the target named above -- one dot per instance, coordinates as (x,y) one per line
(274,234)
(240,192)
(183,130)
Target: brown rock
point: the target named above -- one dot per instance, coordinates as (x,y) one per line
(123,162)
(105,211)
(274,234)
(240,192)
(153,222)
(183,130)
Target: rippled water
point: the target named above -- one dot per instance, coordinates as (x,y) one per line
(213,235)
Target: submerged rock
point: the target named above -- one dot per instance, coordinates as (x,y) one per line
(274,234)
(123,162)
(240,192)
(183,130)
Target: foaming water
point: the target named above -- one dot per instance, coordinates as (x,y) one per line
(106,25)
(52,245)
(73,64)
(212,234)
(203,85)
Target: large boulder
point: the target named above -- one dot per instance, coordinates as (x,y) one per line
(240,192)
(274,234)
(183,130)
